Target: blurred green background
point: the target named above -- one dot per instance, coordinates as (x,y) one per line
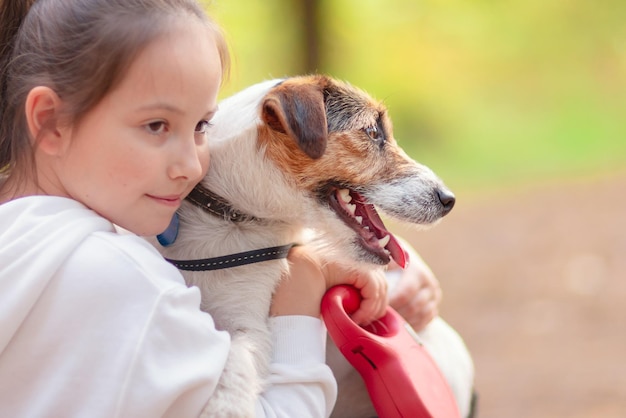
(485,92)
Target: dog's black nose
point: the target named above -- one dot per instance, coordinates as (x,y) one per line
(447,199)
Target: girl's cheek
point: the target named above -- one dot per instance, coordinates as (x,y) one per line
(205,160)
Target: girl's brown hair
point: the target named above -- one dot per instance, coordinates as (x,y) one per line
(78,48)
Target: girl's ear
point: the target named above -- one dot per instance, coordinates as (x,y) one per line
(43,107)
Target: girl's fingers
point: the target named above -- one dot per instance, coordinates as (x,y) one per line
(373,288)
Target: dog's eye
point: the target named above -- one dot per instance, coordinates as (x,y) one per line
(373,132)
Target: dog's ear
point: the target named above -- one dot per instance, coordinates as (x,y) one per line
(298,110)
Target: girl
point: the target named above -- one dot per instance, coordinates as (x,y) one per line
(104,110)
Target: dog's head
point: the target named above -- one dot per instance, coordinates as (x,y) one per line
(334,147)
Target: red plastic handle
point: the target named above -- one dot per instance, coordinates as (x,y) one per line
(402,379)
(342,301)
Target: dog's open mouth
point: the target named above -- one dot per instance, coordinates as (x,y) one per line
(361,216)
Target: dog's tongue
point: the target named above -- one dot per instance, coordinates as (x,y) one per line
(396,251)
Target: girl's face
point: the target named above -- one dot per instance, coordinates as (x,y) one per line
(141,150)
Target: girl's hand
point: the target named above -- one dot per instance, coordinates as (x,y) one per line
(371,284)
(417,294)
(301,291)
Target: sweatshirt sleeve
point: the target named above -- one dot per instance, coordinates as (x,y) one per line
(181,358)
(178,362)
(300,382)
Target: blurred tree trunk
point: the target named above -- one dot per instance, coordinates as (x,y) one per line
(311,35)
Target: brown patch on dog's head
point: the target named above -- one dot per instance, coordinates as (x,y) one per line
(297,110)
(323,131)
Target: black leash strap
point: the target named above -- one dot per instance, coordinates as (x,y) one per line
(233,260)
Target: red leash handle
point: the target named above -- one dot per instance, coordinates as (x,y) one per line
(401,377)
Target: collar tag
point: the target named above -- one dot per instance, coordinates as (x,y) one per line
(167,237)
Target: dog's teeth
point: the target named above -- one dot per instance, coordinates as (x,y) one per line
(351,209)
(359,219)
(345,195)
(384,241)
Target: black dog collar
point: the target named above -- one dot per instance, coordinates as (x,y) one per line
(216,205)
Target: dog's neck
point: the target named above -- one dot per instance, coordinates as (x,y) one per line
(216,205)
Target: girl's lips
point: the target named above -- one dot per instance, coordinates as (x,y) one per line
(167,200)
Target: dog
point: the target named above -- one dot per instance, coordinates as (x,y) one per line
(289,156)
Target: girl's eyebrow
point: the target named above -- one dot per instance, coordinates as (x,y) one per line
(171,108)
(160,106)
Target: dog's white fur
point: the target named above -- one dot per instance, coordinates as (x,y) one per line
(261,163)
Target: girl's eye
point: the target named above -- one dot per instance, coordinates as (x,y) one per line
(203,126)
(373,132)
(156,128)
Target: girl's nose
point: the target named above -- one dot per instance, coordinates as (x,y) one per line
(187,161)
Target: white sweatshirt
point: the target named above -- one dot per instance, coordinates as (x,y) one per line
(97,324)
